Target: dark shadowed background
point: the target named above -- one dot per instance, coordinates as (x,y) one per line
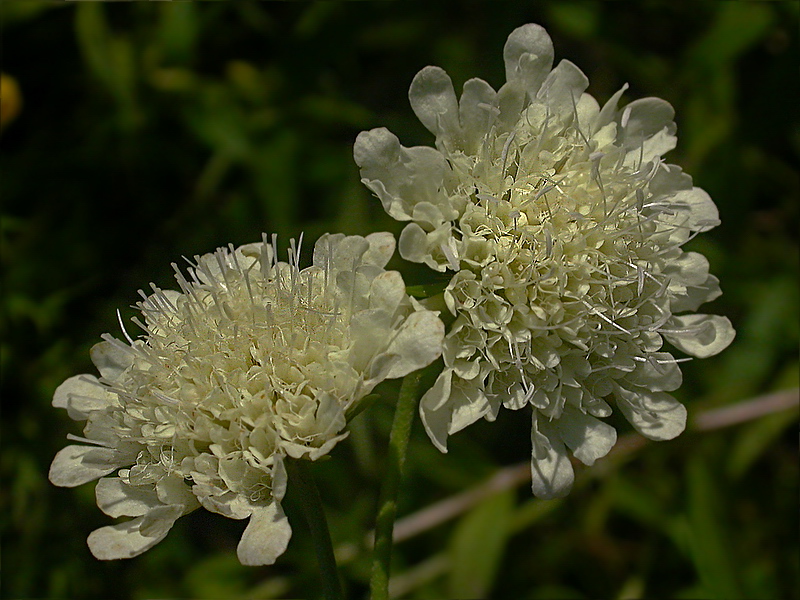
(148,131)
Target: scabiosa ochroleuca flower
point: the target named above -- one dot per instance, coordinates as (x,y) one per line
(563,229)
(253,360)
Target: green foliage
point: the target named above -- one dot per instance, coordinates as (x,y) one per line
(155,130)
(476,547)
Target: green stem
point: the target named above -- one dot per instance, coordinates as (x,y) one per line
(387,506)
(300,475)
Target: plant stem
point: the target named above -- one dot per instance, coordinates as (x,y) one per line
(301,476)
(387,506)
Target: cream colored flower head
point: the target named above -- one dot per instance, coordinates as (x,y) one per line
(253,360)
(562,227)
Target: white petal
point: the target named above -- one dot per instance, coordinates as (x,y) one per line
(76,465)
(587,110)
(477,111)
(131,538)
(81,395)
(650,149)
(417,343)
(343,252)
(231,505)
(563,87)
(695,210)
(118,499)
(694,296)
(368,331)
(434,101)
(434,412)
(174,489)
(429,215)
(656,415)
(387,292)
(469,403)
(266,536)
(376,148)
(700,335)
(597,407)
(528,56)
(413,243)
(400,177)
(316,453)
(110,359)
(587,437)
(609,110)
(690,268)
(667,180)
(381,248)
(511,99)
(644,118)
(658,373)
(552,474)
(279,478)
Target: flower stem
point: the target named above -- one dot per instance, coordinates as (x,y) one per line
(300,475)
(387,506)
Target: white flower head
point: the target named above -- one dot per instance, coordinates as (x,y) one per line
(563,227)
(253,360)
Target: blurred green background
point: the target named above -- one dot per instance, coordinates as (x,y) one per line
(148,131)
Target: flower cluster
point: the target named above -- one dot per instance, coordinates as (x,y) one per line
(252,361)
(563,228)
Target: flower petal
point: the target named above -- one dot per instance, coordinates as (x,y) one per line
(477,111)
(417,343)
(81,395)
(451,405)
(690,268)
(266,536)
(694,210)
(133,537)
(694,296)
(552,474)
(700,335)
(110,359)
(76,465)
(346,252)
(609,110)
(381,248)
(563,87)
(118,499)
(656,415)
(434,412)
(174,489)
(400,177)
(387,292)
(643,118)
(528,56)
(413,243)
(587,437)
(658,373)
(587,111)
(434,102)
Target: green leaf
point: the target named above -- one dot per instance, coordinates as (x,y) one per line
(709,542)
(637,502)
(426,290)
(477,545)
(94,40)
(574,18)
(177,31)
(272,167)
(755,438)
(218,576)
(110,58)
(738,26)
